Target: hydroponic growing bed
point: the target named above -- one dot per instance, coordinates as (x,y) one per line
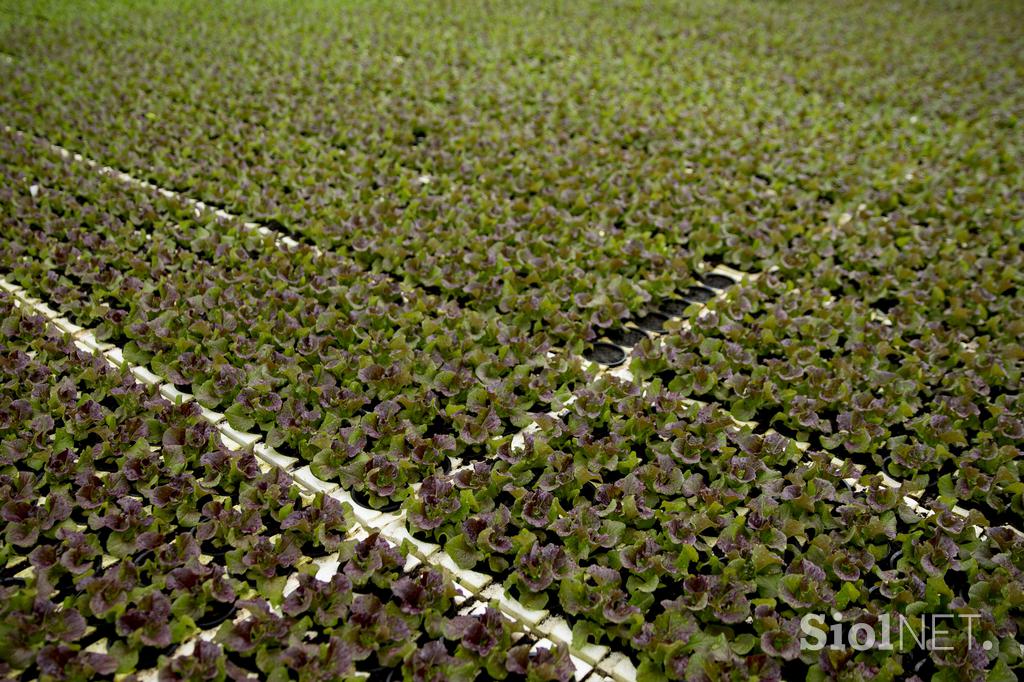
(675,340)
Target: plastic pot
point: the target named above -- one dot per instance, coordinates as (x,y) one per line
(717,281)
(30,673)
(66,585)
(216,613)
(444,464)
(108,463)
(103,536)
(7,578)
(605,354)
(674,307)
(885,304)
(208,548)
(272,525)
(473,453)
(312,550)
(382,674)
(110,402)
(697,294)
(141,557)
(103,629)
(653,322)
(363,498)
(626,336)
(244,662)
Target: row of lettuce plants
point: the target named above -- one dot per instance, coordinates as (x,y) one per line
(135,540)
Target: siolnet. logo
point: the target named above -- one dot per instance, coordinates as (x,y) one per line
(930,631)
